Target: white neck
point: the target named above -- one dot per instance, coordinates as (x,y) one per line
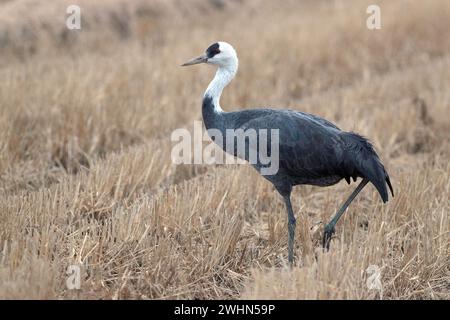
(223,77)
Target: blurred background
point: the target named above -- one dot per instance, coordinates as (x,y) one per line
(86,176)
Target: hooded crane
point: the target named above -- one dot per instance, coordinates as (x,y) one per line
(312,150)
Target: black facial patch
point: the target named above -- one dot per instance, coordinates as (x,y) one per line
(212,50)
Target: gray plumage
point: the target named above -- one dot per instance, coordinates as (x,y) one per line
(312,150)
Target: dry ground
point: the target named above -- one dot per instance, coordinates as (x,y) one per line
(86,176)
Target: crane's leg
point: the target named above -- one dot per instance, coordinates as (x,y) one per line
(291,228)
(329,228)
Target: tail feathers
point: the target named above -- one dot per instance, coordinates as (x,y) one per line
(363,161)
(373,170)
(388,181)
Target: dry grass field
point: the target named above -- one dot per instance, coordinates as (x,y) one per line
(86,176)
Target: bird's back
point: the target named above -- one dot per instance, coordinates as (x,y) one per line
(313,150)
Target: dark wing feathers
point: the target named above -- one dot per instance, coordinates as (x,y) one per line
(307,143)
(360,159)
(314,148)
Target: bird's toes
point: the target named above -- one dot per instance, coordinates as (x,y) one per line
(327,234)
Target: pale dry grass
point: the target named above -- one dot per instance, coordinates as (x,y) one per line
(86,175)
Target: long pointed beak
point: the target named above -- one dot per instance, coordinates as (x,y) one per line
(200,59)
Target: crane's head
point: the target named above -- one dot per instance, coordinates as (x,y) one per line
(219,53)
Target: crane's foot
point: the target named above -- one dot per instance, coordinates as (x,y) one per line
(291,257)
(291,260)
(327,234)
